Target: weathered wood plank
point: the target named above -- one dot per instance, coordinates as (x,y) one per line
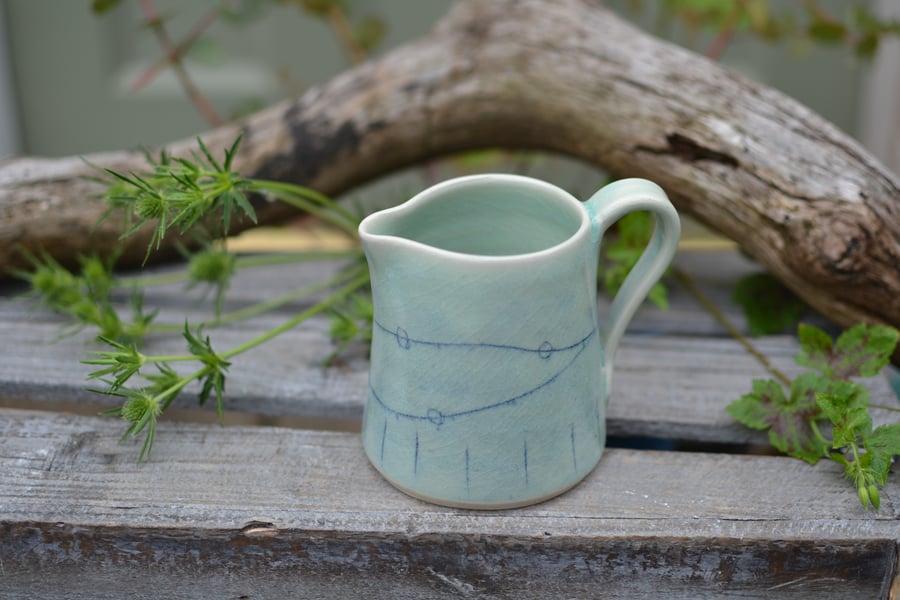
(675,372)
(78,517)
(664,386)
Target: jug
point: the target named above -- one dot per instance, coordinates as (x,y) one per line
(490,368)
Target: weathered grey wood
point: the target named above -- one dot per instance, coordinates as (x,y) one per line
(265,512)
(672,378)
(664,386)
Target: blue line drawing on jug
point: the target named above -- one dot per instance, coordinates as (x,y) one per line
(545,350)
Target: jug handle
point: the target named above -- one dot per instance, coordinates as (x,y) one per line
(607,206)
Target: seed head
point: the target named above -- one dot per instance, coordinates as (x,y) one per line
(137,407)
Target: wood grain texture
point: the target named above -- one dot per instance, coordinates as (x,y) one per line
(675,372)
(78,514)
(565,76)
(270,512)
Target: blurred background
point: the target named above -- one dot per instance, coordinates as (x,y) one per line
(81,76)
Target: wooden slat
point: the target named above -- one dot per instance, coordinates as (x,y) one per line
(664,386)
(674,375)
(271,512)
(268,512)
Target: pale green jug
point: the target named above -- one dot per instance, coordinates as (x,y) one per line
(490,368)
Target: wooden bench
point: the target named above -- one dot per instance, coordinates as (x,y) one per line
(281,501)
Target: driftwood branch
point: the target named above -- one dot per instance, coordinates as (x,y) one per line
(565,76)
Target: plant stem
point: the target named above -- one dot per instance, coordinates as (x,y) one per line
(309,200)
(266,260)
(725,35)
(169,394)
(259,307)
(355,284)
(174,56)
(171,358)
(685,280)
(341,26)
(816,432)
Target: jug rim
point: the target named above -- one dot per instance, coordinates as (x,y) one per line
(434,191)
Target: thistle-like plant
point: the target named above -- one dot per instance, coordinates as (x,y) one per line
(199,198)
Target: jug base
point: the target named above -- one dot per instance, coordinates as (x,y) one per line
(479,505)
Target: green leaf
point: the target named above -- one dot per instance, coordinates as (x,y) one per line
(213,378)
(368,33)
(751,409)
(815,348)
(209,157)
(867,46)
(123,361)
(659,296)
(231,152)
(827,31)
(761,20)
(788,419)
(881,446)
(863,350)
(321,8)
(104,6)
(860,351)
(768,305)
(886,437)
(207,51)
(230,200)
(793,431)
(633,232)
(704,13)
(167,381)
(846,405)
(214,266)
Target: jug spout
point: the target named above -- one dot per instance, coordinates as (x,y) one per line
(477,217)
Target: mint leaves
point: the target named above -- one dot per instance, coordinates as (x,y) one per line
(830,395)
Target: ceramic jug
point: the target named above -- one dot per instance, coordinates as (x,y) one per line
(490,366)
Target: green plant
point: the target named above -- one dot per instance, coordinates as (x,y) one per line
(768,305)
(806,21)
(357,36)
(633,232)
(199,198)
(85,297)
(794,411)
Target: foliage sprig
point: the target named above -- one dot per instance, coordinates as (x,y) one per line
(178,193)
(830,394)
(86,296)
(195,196)
(633,232)
(855,27)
